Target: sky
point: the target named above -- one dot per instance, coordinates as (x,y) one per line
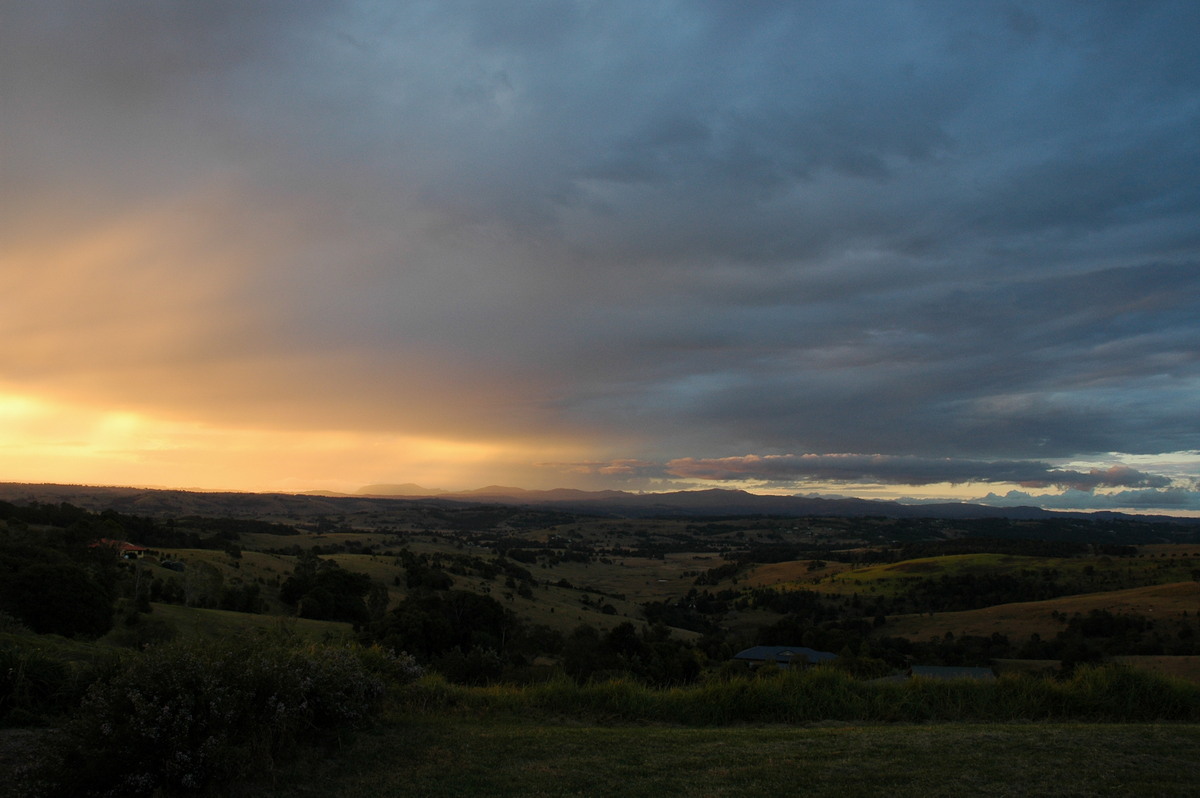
(880,248)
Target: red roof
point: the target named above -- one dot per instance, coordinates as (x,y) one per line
(119,545)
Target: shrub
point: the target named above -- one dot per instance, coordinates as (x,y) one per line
(139,631)
(183,718)
(31,684)
(8,623)
(1107,694)
(1113,690)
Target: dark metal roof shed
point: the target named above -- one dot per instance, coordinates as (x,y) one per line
(785,655)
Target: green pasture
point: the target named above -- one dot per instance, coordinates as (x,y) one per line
(559,608)
(1104,732)
(56,647)
(1094,573)
(892,577)
(188,623)
(639,579)
(423,755)
(194,623)
(831,576)
(1020,619)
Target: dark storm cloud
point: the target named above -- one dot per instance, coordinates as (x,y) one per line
(945,232)
(906,471)
(1102,361)
(1167,501)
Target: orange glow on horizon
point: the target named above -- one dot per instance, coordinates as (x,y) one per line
(44,440)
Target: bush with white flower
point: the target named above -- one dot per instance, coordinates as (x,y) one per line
(184,718)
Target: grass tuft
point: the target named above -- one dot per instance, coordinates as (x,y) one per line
(1109,694)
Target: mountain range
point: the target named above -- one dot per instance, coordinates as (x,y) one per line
(718,501)
(694,503)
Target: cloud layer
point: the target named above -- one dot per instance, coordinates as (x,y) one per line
(961,237)
(908,470)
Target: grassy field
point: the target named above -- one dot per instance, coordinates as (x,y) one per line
(188,623)
(1160,565)
(641,579)
(1105,731)
(638,579)
(195,623)
(886,579)
(455,756)
(1187,668)
(1024,618)
(625,581)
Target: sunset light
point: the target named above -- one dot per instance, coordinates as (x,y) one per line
(316,249)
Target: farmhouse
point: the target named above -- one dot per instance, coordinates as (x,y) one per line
(127,550)
(784,656)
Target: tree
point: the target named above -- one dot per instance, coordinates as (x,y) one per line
(59,599)
(584,653)
(429,624)
(322,590)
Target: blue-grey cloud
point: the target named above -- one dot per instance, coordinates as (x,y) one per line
(674,231)
(1163,501)
(907,470)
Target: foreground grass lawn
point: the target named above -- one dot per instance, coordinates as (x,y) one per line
(460,755)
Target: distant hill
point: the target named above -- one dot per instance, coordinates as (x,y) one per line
(717,502)
(692,503)
(500,494)
(407,489)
